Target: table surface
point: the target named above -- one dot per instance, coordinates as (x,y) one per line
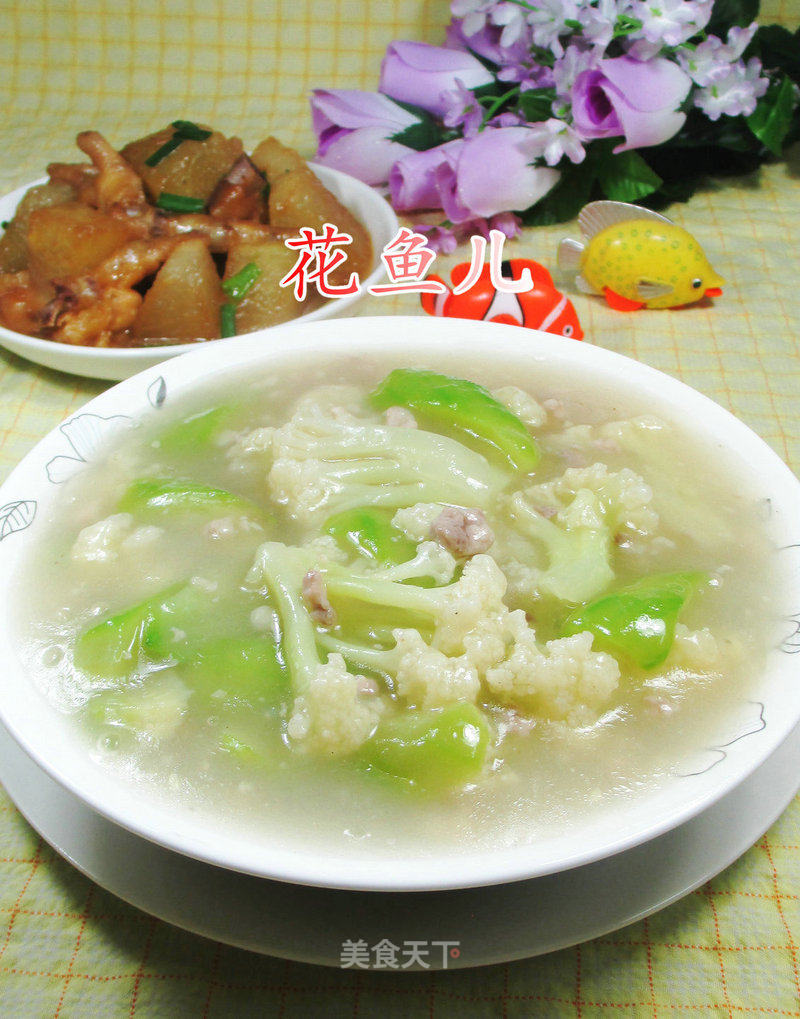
(69,948)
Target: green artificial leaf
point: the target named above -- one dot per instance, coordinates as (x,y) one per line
(420,137)
(536,104)
(731,12)
(778,49)
(772,117)
(566,199)
(626,177)
(427,133)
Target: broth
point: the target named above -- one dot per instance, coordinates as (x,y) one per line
(167,726)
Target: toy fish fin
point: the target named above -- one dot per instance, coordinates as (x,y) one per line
(504,320)
(584,285)
(542,280)
(570,254)
(505,308)
(596,216)
(649,290)
(620,303)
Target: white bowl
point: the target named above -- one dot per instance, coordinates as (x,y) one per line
(744,739)
(373,211)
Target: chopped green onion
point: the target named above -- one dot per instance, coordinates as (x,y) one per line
(227,320)
(238,285)
(190,131)
(179,203)
(5,224)
(164,151)
(185,130)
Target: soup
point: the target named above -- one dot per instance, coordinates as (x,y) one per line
(353,602)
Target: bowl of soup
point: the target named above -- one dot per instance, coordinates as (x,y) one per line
(400,603)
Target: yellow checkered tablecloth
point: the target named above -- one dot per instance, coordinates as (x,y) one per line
(67,947)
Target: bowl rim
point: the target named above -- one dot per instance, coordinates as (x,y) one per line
(403,338)
(384,219)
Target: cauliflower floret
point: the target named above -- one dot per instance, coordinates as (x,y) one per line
(622,498)
(476,600)
(565,681)
(415,521)
(243,446)
(101,542)
(142,538)
(333,716)
(428,678)
(326,550)
(322,462)
(522,404)
(340,402)
(694,649)
(431,560)
(302,484)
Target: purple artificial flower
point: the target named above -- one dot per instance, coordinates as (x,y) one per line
(548,20)
(462,110)
(354,130)
(666,23)
(710,60)
(598,23)
(735,93)
(492,173)
(577,58)
(556,139)
(636,99)
(415,72)
(486,43)
(474,177)
(412,179)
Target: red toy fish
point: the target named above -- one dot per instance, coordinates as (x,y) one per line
(543,307)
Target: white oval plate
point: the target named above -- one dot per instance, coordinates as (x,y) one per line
(120,363)
(740,742)
(490,925)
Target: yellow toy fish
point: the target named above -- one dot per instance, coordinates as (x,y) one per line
(637,259)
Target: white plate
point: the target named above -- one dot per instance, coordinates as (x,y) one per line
(491,925)
(106,363)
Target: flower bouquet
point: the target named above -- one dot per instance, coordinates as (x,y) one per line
(535,107)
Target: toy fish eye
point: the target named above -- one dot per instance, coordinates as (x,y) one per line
(697,283)
(567,331)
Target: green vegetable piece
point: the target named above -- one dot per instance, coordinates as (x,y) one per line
(190,131)
(239,751)
(173,624)
(227,320)
(232,670)
(465,407)
(113,647)
(434,750)
(150,710)
(369,532)
(170,202)
(638,620)
(239,284)
(155,498)
(194,433)
(185,130)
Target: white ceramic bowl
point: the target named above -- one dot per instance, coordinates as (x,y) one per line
(744,739)
(120,363)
